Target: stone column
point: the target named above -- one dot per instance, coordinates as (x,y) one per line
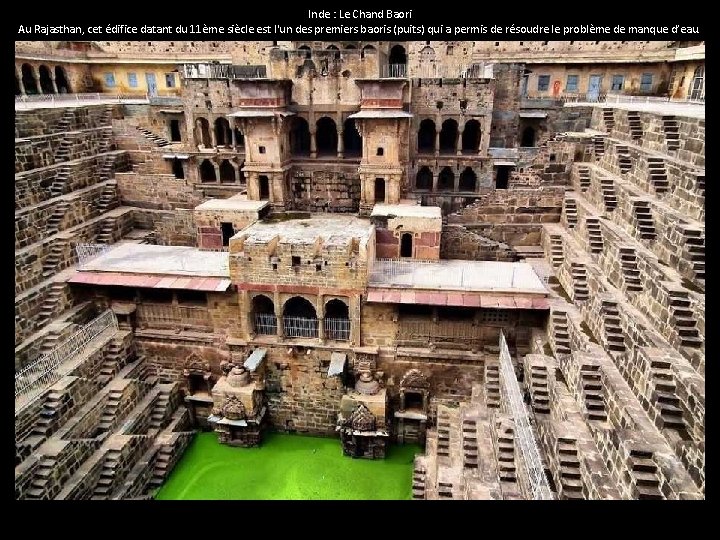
(36,76)
(20,81)
(437,142)
(340,146)
(232,135)
(458,143)
(236,166)
(213,138)
(313,146)
(320,310)
(435,182)
(278,314)
(217,172)
(54,84)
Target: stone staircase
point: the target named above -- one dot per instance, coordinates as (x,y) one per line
(469,443)
(105,483)
(570,212)
(609,119)
(569,464)
(48,414)
(107,229)
(658,174)
(63,150)
(158,416)
(607,186)
(624,159)
(52,225)
(592,392)
(561,334)
(580,286)
(694,250)
(155,139)
(443,433)
(41,478)
(505,451)
(629,267)
(50,305)
(584,177)
(51,262)
(110,411)
(683,319)
(492,386)
(643,475)
(66,122)
(51,340)
(700,183)
(539,391)
(595,239)
(598,142)
(643,216)
(665,396)
(672,132)
(60,182)
(557,254)
(614,337)
(107,199)
(636,130)
(418,481)
(113,362)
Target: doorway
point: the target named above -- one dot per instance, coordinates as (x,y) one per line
(228,231)
(175,131)
(406,245)
(379,190)
(593,92)
(264,188)
(151,84)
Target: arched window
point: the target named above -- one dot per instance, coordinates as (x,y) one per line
(300,318)
(352,141)
(264,315)
(448,136)
(202,133)
(367,49)
(223,136)
(406,245)
(424,179)
(61,81)
(299,137)
(468,180)
(471,137)
(207,171)
(350,47)
(227,172)
(398,55)
(28,79)
(528,137)
(46,80)
(446,180)
(337,320)
(326,137)
(426,136)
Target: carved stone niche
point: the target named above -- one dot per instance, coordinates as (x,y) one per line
(414,391)
(197,374)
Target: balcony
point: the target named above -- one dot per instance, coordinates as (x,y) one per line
(337,329)
(393,71)
(174,317)
(265,324)
(452,334)
(223,71)
(300,327)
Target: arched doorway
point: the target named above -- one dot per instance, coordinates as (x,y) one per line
(406,245)
(61,80)
(227,172)
(423,179)
(446,180)
(299,137)
(334,48)
(528,137)
(352,141)
(202,133)
(468,180)
(223,136)
(300,318)
(207,171)
(426,136)
(28,79)
(264,317)
(337,320)
(326,137)
(379,190)
(398,55)
(46,80)
(350,47)
(367,49)
(264,187)
(177,168)
(471,137)
(449,136)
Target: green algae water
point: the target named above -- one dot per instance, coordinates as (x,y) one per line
(287,467)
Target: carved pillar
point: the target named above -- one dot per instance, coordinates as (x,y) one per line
(437,142)
(458,143)
(217,172)
(213,136)
(278,314)
(313,146)
(18,74)
(236,166)
(340,147)
(435,182)
(320,310)
(232,136)
(54,84)
(36,76)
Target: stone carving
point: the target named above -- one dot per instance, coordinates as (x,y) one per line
(362,419)
(414,378)
(196,366)
(233,409)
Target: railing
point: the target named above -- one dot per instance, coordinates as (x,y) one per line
(265,324)
(337,329)
(87,252)
(529,452)
(393,70)
(478,70)
(300,327)
(459,332)
(223,71)
(65,98)
(173,317)
(33,379)
(623,98)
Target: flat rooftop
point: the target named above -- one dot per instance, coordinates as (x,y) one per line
(668,108)
(471,276)
(337,230)
(237,203)
(407,210)
(167,260)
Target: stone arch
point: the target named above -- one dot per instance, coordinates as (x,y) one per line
(263,311)
(223,135)
(468,180)
(299,306)
(227,172)
(300,318)
(446,180)
(350,47)
(449,136)
(306,51)
(207,171)
(326,136)
(337,309)
(202,132)
(426,136)
(299,137)
(61,80)
(28,79)
(398,55)
(424,178)
(471,137)
(414,378)
(45,79)
(262,303)
(352,140)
